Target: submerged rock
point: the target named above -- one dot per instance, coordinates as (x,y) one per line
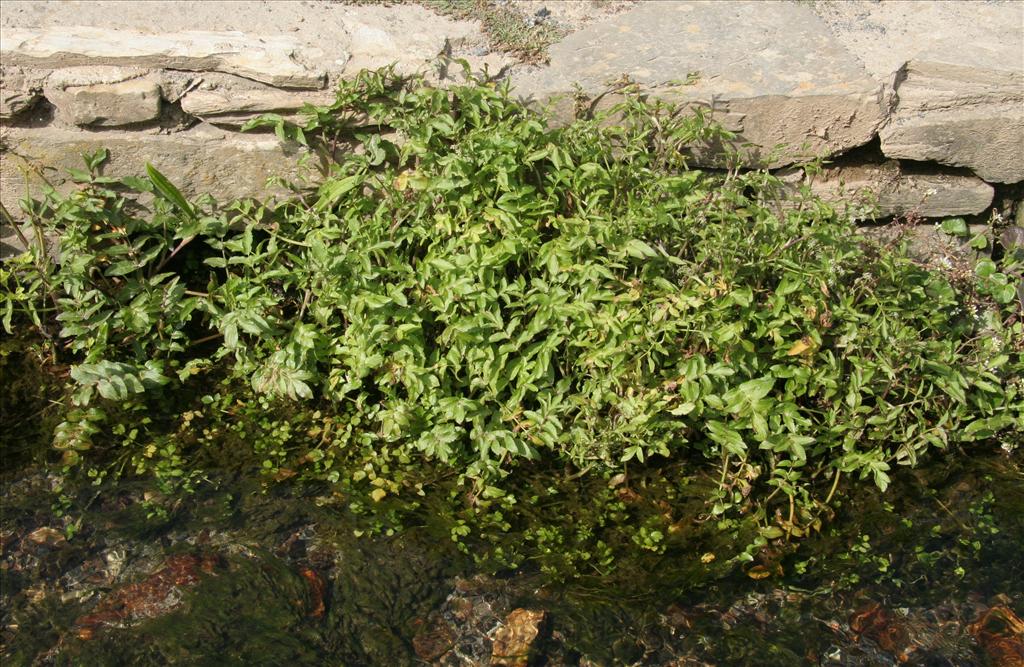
(316,591)
(158,594)
(434,638)
(883,627)
(1001,633)
(50,537)
(518,641)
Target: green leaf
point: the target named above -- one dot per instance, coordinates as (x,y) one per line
(120,268)
(137,184)
(955,226)
(1004,293)
(727,437)
(332,191)
(985,268)
(94,160)
(755,390)
(639,249)
(79,175)
(169,192)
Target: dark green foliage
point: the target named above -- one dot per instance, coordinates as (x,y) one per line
(486,289)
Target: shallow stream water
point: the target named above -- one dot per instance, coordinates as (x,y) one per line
(243,573)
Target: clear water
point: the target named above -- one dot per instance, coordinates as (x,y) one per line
(893,579)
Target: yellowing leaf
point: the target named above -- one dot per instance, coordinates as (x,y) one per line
(378,495)
(799,347)
(759,572)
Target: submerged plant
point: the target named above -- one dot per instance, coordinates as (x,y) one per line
(475,286)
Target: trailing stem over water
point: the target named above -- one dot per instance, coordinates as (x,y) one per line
(471,286)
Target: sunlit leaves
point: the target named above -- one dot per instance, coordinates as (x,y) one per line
(726,436)
(117,381)
(277,376)
(169,191)
(485,289)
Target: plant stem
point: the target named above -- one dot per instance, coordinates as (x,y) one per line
(835,484)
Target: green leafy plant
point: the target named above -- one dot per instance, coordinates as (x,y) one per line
(473,286)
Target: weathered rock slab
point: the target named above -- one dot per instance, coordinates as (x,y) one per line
(769,71)
(269,59)
(198,161)
(214,102)
(961,116)
(339,37)
(411,37)
(892,190)
(883,36)
(90,75)
(19,91)
(227,106)
(109,104)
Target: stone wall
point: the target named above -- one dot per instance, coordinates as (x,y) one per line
(920,105)
(171,83)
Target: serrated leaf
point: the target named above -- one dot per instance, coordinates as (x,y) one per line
(755,390)
(727,437)
(639,249)
(332,191)
(120,268)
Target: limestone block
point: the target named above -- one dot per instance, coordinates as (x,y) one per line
(769,71)
(214,102)
(108,104)
(89,75)
(233,107)
(959,115)
(928,193)
(201,160)
(885,35)
(408,36)
(19,91)
(269,59)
